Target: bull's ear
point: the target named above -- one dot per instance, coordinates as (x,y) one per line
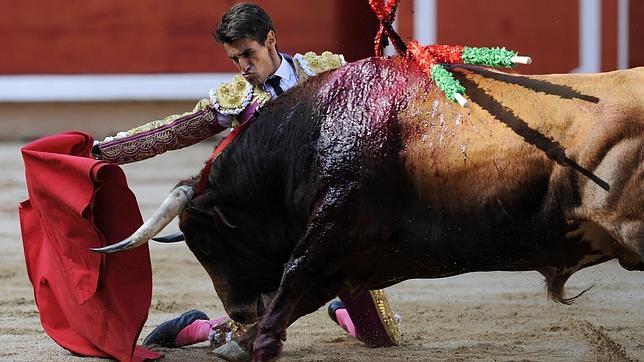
(206,205)
(222,218)
(192,215)
(208,216)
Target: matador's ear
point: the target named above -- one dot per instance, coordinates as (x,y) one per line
(271,40)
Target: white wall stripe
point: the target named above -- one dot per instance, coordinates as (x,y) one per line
(622,34)
(425,21)
(589,36)
(130,87)
(390,49)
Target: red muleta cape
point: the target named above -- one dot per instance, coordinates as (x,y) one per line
(90,304)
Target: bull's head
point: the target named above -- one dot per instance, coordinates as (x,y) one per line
(242,274)
(244,277)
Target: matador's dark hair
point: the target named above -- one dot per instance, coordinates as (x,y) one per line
(243,20)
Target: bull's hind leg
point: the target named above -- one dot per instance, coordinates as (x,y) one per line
(317,255)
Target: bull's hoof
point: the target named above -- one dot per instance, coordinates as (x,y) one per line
(268,346)
(231,351)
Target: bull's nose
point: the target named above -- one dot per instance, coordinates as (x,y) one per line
(240,317)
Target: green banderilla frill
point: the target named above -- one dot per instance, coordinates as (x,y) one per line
(446,82)
(491,57)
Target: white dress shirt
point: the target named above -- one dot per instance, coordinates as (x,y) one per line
(287,74)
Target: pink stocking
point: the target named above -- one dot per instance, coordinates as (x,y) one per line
(197,331)
(345,321)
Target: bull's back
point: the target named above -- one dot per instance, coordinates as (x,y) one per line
(499,162)
(516,126)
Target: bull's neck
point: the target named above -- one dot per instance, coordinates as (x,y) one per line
(257,162)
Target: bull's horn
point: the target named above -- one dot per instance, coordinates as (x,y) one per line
(172,238)
(169,209)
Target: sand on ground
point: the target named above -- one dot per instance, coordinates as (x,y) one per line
(493,316)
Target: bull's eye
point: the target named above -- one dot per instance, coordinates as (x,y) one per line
(200,243)
(204,249)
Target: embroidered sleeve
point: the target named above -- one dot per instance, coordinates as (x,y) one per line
(156,137)
(313,64)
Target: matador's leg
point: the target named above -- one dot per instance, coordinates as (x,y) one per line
(376,324)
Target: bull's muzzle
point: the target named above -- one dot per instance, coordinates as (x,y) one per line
(251,312)
(169,209)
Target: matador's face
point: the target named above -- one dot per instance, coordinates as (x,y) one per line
(256,62)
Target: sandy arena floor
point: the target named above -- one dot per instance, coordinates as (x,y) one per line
(480,316)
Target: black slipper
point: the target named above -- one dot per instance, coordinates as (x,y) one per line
(165,334)
(333,306)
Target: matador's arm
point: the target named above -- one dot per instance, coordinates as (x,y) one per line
(156,137)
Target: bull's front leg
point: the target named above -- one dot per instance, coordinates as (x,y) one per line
(241,347)
(317,256)
(302,296)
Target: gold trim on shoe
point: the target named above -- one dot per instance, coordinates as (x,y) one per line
(387,316)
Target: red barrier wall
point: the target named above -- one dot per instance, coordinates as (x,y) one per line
(168,36)
(152,36)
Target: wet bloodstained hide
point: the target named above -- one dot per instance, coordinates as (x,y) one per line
(359,113)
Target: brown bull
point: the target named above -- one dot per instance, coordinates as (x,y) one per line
(366,176)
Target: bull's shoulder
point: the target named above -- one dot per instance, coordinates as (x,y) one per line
(311,64)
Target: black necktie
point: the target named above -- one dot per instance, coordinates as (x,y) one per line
(274,82)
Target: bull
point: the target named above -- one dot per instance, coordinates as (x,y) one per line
(366,176)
